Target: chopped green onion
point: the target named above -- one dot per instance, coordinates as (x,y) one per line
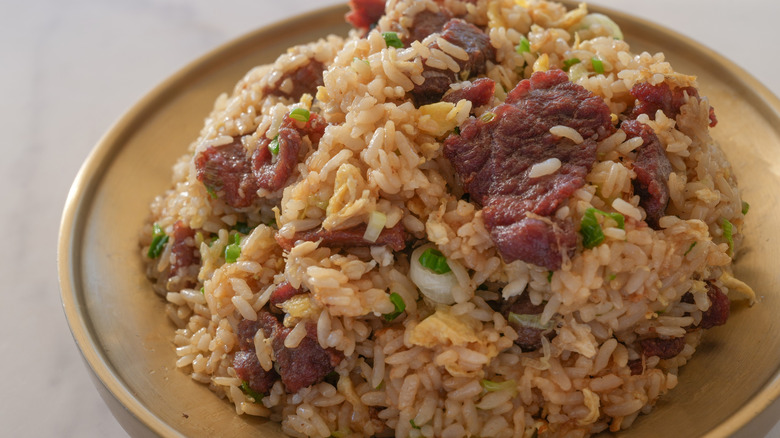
(159,239)
(233,251)
(364,60)
(203,290)
(211,192)
(728,234)
(549,276)
(242,227)
(392,40)
(376,223)
(567,63)
(745,207)
(690,248)
(273,146)
(457,130)
(527,320)
(491,386)
(399,304)
(523,46)
(414,426)
(300,114)
(598,65)
(487,117)
(592,235)
(612,277)
(254,395)
(434,260)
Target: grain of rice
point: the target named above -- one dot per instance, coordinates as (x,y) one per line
(547,167)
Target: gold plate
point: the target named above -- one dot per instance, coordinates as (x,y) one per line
(729,387)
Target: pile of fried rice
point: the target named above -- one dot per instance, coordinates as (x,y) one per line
(467,218)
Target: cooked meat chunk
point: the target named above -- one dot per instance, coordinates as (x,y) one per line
(493,158)
(245,361)
(304,365)
(282,293)
(185,253)
(226,171)
(234,176)
(636,366)
(364,14)
(394,237)
(477,45)
(719,310)
(426,23)
(652,169)
(304,79)
(665,348)
(529,338)
(651,98)
(478,93)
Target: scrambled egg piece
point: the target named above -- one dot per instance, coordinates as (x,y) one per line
(742,289)
(439,118)
(299,306)
(351,201)
(443,328)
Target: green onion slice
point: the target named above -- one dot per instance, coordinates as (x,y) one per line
(300,114)
(233,251)
(254,395)
(690,248)
(211,192)
(399,304)
(728,234)
(159,239)
(392,40)
(598,65)
(487,117)
(273,146)
(592,235)
(567,63)
(242,227)
(414,426)
(745,207)
(531,321)
(491,386)
(434,260)
(523,46)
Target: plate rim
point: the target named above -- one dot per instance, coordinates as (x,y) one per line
(92,172)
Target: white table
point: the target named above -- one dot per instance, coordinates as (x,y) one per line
(69,69)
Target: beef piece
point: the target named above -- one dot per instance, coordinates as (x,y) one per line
(720,308)
(364,14)
(186,253)
(718,312)
(245,361)
(394,237)
(493,159)
(282,293)
(306,364)
(528,338)
(305,79)
(272,174)
(234,176)
(652,168)
(426,23)
(476,44)
(651,98)
(226,171)
(636,366)
(665,348)
(478,93)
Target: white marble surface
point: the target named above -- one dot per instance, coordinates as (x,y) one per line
(69,69)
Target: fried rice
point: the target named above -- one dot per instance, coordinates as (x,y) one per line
(317,223)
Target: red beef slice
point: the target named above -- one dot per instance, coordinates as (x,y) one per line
(651,98)
(652,169)
(493,158)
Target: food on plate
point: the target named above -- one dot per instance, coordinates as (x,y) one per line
(465,218)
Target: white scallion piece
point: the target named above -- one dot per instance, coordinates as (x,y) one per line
(376,223)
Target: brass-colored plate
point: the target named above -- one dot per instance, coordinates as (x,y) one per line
(119,323)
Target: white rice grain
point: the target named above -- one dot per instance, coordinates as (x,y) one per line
(546,167)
